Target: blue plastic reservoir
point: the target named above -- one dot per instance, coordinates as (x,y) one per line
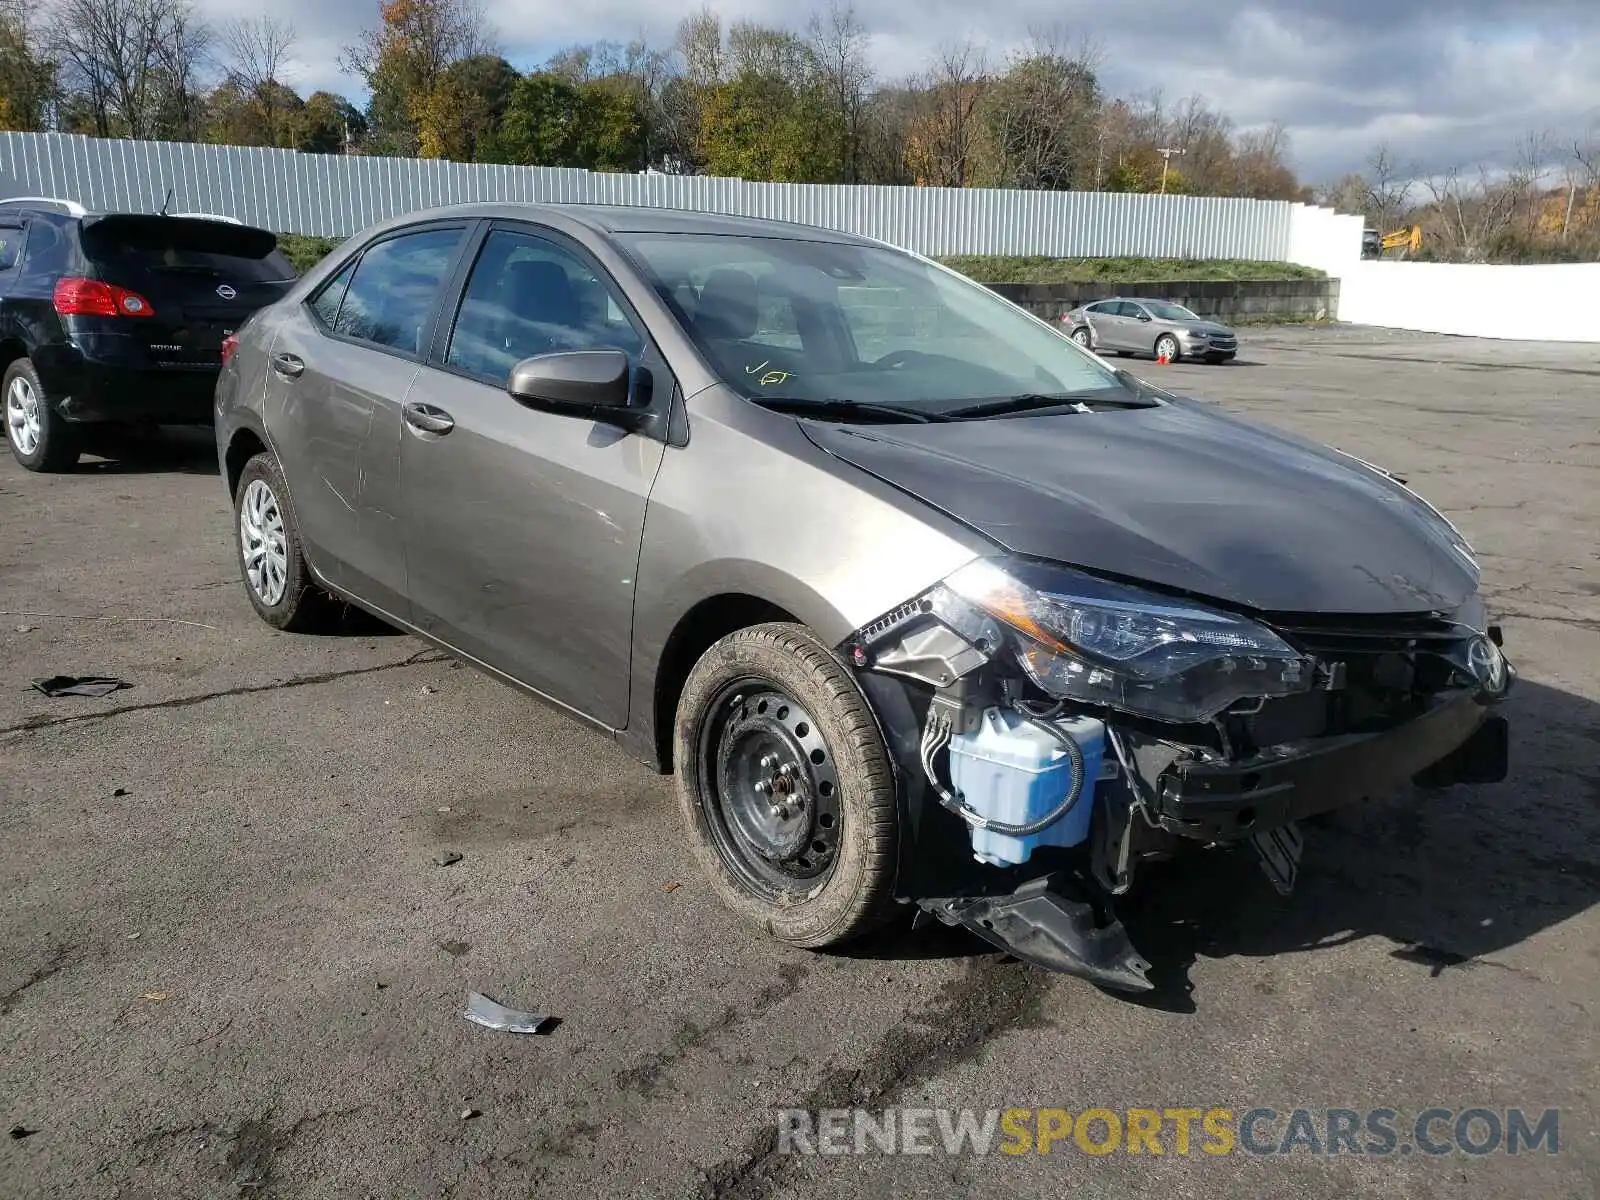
(1010,770)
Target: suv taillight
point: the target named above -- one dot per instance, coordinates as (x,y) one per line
(229,345)
(91,298)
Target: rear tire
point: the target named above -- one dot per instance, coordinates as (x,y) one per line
(1082,337)
(771,720)
(276,577)
(39,439)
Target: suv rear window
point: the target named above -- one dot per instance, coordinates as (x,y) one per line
(183,245)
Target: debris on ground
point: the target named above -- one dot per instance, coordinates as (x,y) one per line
(468,1114)
(493,1015)
(155,997)
(672,887)
(17,1132)
(80,685)
(119,792)
(454,948)
(429,690)
(446,858)
(26,628)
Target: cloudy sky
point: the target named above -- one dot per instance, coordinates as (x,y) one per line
(1445,82)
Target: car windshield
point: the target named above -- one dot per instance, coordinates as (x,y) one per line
(795,321)
(1169,312)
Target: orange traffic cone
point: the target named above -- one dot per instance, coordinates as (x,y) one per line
(1163,359)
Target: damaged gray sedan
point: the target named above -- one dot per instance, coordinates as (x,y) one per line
(922,604)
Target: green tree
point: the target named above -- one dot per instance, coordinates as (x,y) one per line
(27,76)
(553,122)
(760,126)
(458,114)
(403,60)
(329,124)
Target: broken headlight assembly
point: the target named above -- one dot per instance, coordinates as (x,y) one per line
(1094,642)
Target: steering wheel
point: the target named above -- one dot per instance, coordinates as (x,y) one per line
(899,358)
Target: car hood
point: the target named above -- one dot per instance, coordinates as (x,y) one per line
(1182,497)
(1204,326)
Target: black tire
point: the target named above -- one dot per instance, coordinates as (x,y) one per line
(854,893)
(1083,337)
(1173,351)
(302,606)
(57,446)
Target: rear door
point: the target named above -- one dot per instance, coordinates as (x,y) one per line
(200,278)
(338,374)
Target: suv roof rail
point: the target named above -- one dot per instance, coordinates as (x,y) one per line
(71,207)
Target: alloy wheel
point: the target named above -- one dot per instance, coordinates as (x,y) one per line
(22,416)
(263,543)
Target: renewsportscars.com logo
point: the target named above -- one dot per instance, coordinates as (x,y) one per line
(1376,1132)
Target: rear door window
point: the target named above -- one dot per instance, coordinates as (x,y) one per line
(390,299)
(11,237)
(331,295)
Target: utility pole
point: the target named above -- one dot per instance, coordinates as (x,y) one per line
(1166,158)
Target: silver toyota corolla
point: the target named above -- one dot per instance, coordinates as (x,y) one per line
(921,604)
(1158,328)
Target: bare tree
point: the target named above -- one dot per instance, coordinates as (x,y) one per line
(131,66)
(945,133)
(839,40)
(1389,187)
(259,57)
(1042,113)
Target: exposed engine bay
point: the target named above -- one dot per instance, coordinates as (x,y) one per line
(1054,730)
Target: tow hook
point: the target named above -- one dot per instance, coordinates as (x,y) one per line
(1040,924)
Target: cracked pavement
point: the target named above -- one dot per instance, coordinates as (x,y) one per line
(230,967)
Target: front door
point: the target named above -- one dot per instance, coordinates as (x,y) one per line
(523,527)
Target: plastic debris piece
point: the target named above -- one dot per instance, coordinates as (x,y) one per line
(80,685)
(446,858)
(155,997)
(26,628)
(17,1132)
(119,791)
(468,1114)
(493,1015)
(672,887)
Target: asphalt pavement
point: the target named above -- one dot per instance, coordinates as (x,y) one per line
(231,966)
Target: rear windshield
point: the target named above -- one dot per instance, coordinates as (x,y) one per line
(183,245)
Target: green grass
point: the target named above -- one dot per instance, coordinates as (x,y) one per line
(999,269)
(304,252)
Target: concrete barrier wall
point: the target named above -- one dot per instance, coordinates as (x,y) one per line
(1545,303)
(1292,299)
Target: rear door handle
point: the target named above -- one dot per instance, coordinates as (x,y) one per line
(425,418)
(290,366)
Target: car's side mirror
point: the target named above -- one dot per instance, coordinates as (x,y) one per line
(592,383)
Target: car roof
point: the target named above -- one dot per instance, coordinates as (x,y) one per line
(611,219)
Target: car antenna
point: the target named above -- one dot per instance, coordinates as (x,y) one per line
(167,203)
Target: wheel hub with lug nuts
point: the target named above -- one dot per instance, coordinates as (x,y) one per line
(774,787)
(22,415)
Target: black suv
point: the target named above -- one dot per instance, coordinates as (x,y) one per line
(119,320)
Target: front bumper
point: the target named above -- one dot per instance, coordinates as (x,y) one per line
(1457,741)
(1200,347)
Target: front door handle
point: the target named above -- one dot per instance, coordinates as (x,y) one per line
(290,366)
(425,418)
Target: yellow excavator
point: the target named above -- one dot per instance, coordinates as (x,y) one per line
(1406,241)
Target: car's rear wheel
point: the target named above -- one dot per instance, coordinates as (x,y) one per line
(39,439)
(1167,347)
(786,786)
(1081,336)
(276,579)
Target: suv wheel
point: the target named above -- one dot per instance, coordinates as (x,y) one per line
(40,440)
(786,786)
(274,569)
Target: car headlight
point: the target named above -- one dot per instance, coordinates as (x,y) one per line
(1088,640)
